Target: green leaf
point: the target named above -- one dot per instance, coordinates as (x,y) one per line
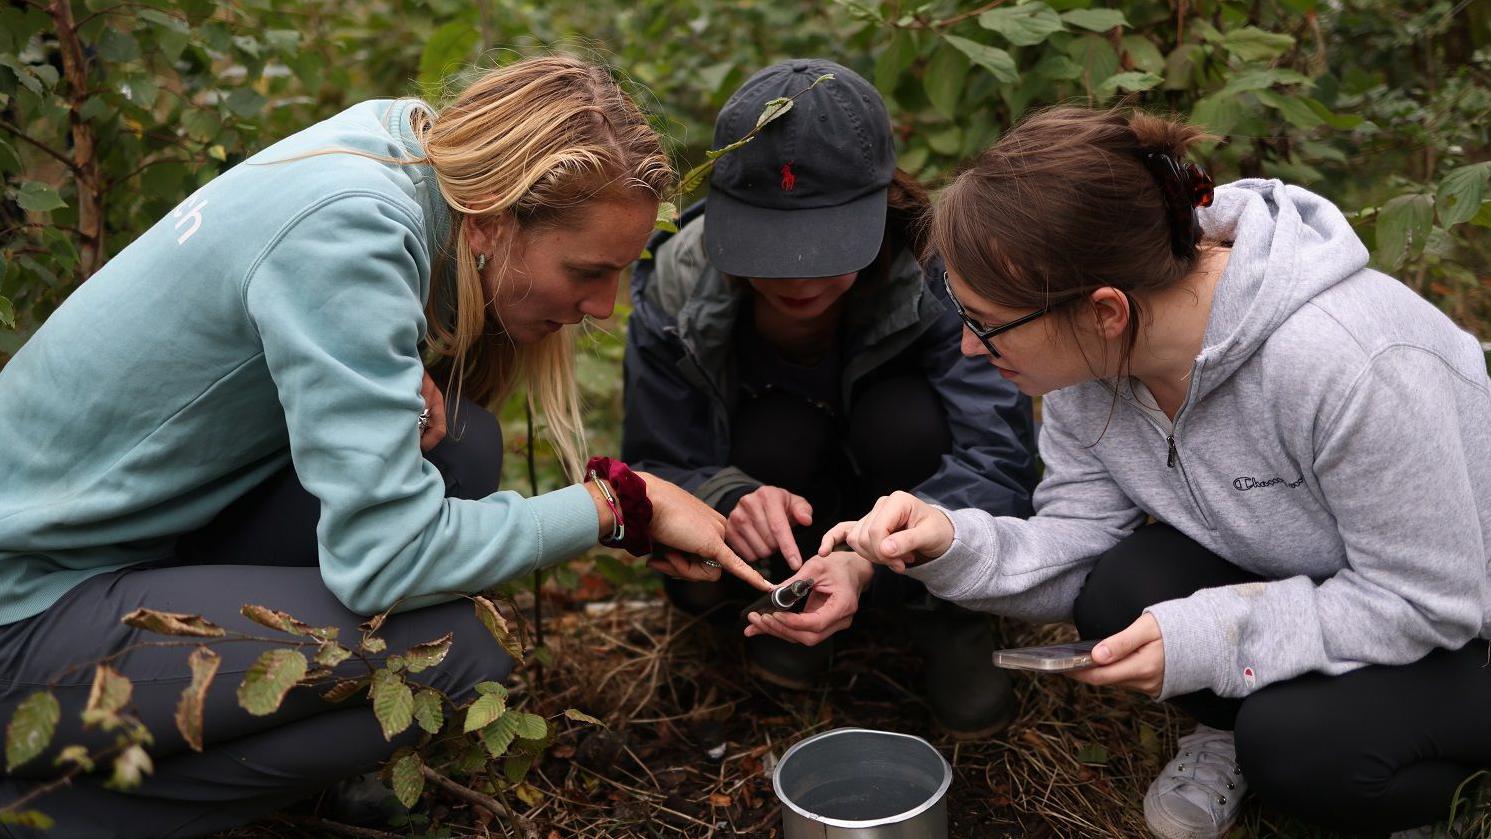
(944,77)
(532,726)
(1264,78)
(130,768)
(9,160)
(948,141)
(892,61)
(1096,57)
(108,696)
(1253,44)
(429,710)
(1097,20)
(172,623)
(487,708)
(421,657)
(1143,54)
(116,47)
(1024,25)
(31,728)
(516,767)
(408,779)
(581,716)
(995,60)
(204,663)
(38,197)
(447,47)
(268,680)
(7,314)
(485,688)
(245,102)
(1056,67)
(773,110)
(1292,108)
(393,702)
(331,654)
(283,41)
(1130,82)
(1340,122)
(35,819)
(496,624)
(1217,113)
(1403,225)
(667,213)
(500,734)
(1092,753)
(1461,193)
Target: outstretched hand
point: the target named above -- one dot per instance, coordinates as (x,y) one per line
(900,530)
(687,532)
(839,579)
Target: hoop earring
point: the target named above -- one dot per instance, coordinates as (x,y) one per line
(481,262)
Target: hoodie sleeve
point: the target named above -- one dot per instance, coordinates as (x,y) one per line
(337,305)
(990,467)
(1034,568)
(1392,467)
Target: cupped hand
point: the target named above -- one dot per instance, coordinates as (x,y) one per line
(839,579)
(761,524)
(435,404)
(900,530)
(1133,659)
(686,531)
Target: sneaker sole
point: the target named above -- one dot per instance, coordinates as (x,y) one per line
(1161,826)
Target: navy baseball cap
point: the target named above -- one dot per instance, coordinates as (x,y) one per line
(807,196)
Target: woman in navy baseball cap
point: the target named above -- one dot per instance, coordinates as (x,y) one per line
(789,361)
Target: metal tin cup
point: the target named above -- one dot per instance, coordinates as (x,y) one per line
(857,783)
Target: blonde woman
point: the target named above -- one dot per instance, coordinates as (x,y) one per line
(252,366)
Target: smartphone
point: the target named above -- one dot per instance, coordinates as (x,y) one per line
(1056,658)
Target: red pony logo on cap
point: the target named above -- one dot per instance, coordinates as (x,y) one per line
(789,180)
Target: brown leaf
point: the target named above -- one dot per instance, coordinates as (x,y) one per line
(427,655)
(496,624)
(204,664)
(110,693)
(173,623)
(344,690)
(719,799)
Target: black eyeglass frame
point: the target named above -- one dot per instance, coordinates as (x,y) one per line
(985,334)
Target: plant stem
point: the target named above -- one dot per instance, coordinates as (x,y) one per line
(487,802)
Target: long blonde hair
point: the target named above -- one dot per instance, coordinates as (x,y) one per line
(538,139)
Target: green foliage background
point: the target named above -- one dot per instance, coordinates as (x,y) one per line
(111,114)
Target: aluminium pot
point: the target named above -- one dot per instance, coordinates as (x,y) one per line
(858,783)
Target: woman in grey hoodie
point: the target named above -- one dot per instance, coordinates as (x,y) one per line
(1266,487)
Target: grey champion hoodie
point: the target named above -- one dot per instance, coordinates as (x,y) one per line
(1336,440)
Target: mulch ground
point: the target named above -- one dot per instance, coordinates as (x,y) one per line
(691,737)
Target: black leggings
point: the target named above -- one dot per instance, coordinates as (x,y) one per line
(895,435)
(260,550)
(1377,749)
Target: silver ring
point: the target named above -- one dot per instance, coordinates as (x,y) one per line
(709,563)
(424,420)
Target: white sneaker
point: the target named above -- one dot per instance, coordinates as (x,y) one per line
(1197,795)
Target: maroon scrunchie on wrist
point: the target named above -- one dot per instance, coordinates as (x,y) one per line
(636,508)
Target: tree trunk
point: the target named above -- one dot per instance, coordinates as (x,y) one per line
(89,180)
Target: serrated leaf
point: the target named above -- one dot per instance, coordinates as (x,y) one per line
(1461,193)
(492,687)
(268,679)
(773,110)
(532,726)
(130,768)
(1253,44)
(667,213)
(995,60)
(374,645)
(343,690)
(31,728)
(500,734)
(429,710)
(580,716)
(34,819)
(173,623)
(487,708)
(1130,82)
(274,619)
(393,702)
(331,654)
(421,657)
(38,197)
(108,696)
(408,779)
(445,49)
(487,613)
(1096,20)
(203,663)
(1403,225)
(1024,25)
(943,79)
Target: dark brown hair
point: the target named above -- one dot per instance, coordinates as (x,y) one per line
(1063,205)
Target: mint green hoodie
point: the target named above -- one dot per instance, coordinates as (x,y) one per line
(274,317)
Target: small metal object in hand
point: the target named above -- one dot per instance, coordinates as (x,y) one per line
(424,420)
(780,599)
(710,563)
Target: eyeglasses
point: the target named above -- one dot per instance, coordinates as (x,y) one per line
(983,331)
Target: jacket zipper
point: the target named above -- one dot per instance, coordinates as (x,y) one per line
(1172,460)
